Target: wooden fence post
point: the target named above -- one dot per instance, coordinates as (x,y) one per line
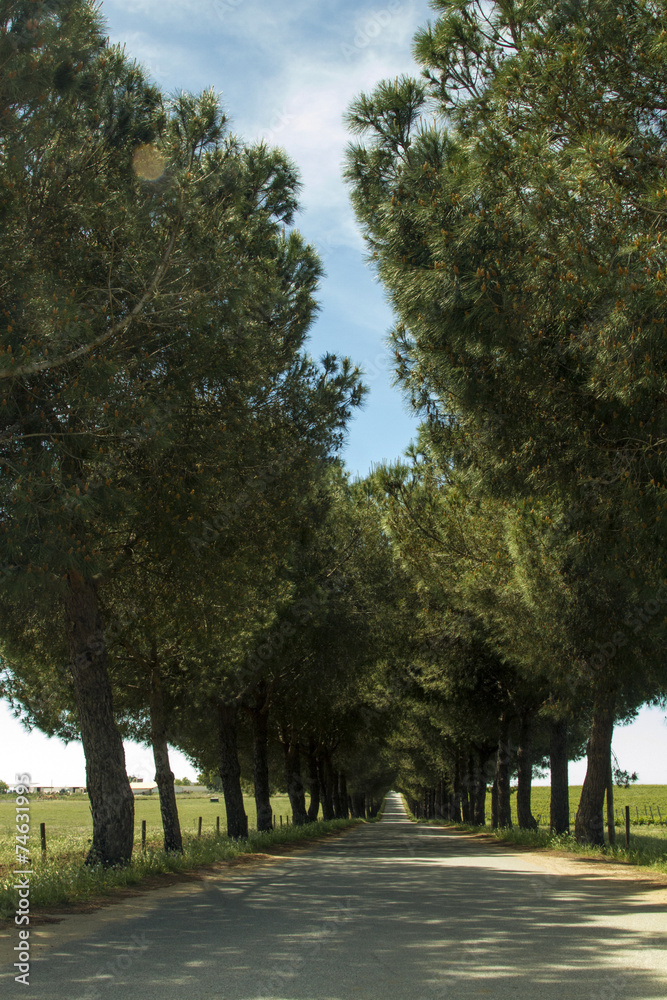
(627,826)
(199,830)
(42,834)
(143,835)
(217,825)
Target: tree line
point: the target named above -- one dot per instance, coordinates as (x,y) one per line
(185,560)
(512,201)
(179,539)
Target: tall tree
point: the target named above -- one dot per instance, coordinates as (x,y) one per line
(159,273)
(515,221)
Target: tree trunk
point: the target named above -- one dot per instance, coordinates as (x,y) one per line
(503,772)
(293,779)
(335,794)
(230,771)
(259,715)
(524,757)
(438,800)
(342,794)
(325,787)
(456,801)
(494,804)
(588,824)
(466,791)
(560,795)
(314,804)
(611,828)
(171,827)
(446,799)
(480,790)
(111,798)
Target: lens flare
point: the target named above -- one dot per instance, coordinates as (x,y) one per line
(148,163)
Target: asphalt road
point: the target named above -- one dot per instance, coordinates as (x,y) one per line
(390,910)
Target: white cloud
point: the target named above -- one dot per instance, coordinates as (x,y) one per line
(286,72)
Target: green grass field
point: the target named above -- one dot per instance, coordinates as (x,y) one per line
(641,799)
(69,823)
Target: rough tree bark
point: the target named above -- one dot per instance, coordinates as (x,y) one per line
(171,827)
(503,771)
(313,772)
(494,804)
(325,787)
(335,794)
(230,770)
(480,788)
(560,793)
(456,797)
(439,809)
(259,714)
(293,779)
(342,795)
(588,824)
(524,758)
(111,799)
(466,788)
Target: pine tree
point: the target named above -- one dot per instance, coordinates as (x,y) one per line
(514,214)
(147,275)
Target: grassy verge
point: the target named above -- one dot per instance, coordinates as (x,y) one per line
(70,816)
(647,850)
(63,879)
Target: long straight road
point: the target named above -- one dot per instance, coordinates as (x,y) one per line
(391,910)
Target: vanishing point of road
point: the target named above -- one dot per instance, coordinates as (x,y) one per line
(391,911)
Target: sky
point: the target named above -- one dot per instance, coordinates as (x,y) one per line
(286,72)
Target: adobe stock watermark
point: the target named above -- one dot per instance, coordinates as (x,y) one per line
(306,949)
(118,965)
(23,871)
(370,28)
(280,120)
(224,8)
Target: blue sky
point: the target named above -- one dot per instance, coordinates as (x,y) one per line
(286,73)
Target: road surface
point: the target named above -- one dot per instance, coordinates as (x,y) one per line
(391,910)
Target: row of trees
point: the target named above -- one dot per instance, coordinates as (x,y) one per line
(178,540)
(185,561)
(513,203)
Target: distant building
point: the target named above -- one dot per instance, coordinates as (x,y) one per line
(143,787)
(48,789)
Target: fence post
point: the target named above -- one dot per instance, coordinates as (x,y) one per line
(143,835)
(42,834)
(199,830)
(627,826)
(652,817)
(217,825)
(281,821)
